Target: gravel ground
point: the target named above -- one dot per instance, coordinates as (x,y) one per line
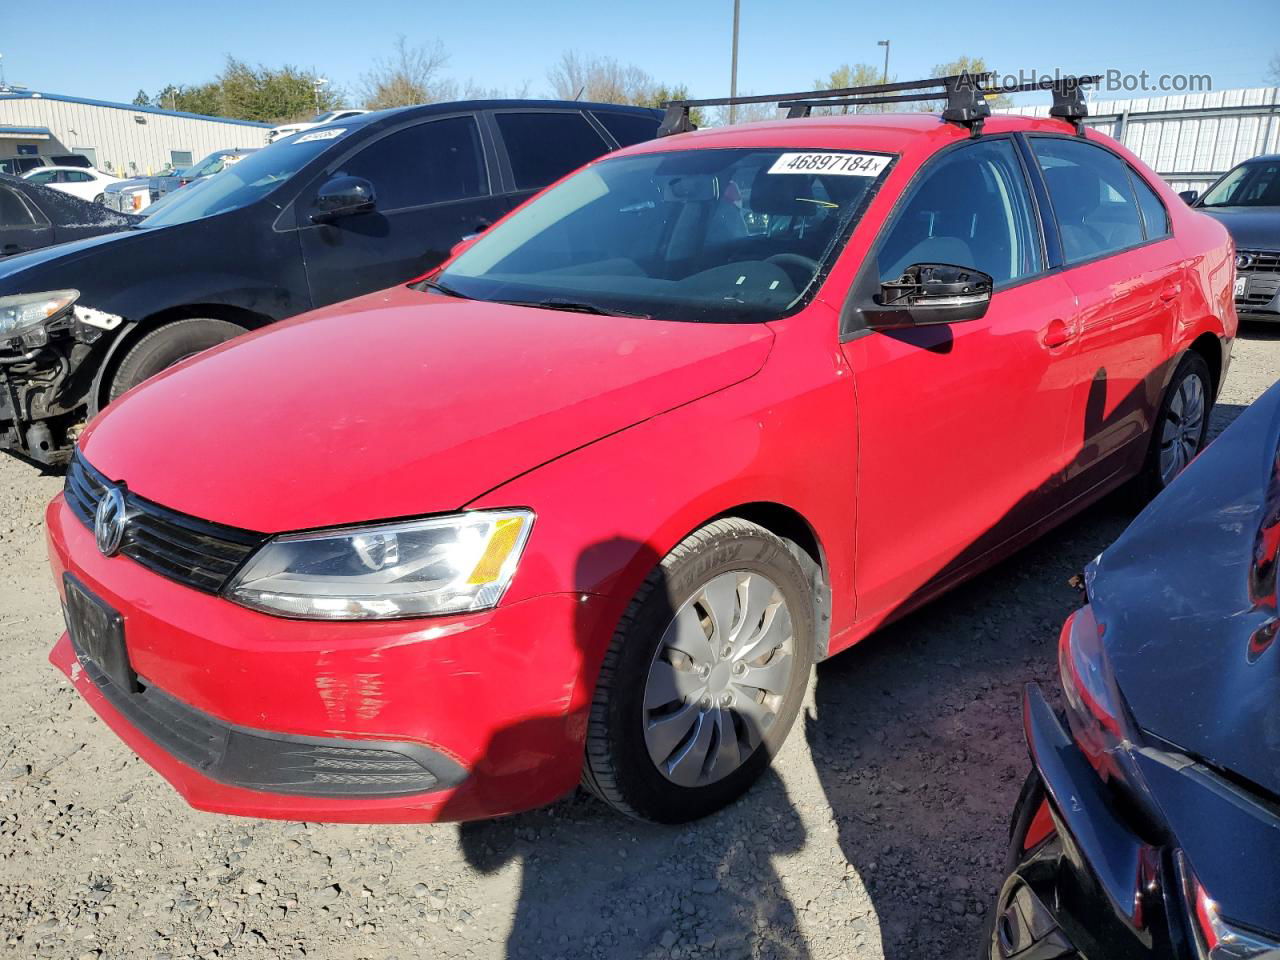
(880,832)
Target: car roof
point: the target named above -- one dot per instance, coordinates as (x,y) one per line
(56,166)
(455,106)
(899,133)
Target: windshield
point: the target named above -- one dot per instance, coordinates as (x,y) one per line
(703,235)
(239,184)
(1248,185)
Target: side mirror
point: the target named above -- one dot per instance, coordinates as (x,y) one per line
(1190,196)
(343,197)
(929,293)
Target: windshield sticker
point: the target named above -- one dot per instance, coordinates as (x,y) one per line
(842,164)
(320,135)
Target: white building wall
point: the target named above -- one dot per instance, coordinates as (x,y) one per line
(1211,133)
(125,140)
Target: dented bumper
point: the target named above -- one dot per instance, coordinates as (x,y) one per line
(490,705)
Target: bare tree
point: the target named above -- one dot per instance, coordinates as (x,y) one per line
(411,75)
(599,79)
(1273,71)
(746,113)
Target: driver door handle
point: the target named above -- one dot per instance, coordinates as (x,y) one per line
(1057,333)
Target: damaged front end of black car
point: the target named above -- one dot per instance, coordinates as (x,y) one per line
(1150,824)
(44,340)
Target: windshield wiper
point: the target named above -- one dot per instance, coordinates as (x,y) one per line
(575,306)
(440,288)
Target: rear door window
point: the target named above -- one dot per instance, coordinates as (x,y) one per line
(432,162)
(628,128)
(1092,197)
(544,146)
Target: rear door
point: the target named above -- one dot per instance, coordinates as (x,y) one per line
(1127,274)
(432,186)
(960,426)
(538,147)
(22,226)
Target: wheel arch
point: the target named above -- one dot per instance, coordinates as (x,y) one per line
(135,331)
(1209,347)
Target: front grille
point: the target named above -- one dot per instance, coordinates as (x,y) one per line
(277,762)
(182,548)
(1263,261)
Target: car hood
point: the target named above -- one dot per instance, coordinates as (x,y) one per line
(1252,228)
(399,404)
(1187,601)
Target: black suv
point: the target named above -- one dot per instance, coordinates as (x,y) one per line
(324,215)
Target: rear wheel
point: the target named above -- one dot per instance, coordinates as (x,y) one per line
(165,346)
(704,677)
(1181,425)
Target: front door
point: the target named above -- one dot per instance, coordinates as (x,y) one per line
(431,184)
(960,426)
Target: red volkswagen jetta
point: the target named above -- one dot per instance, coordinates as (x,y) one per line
(589,503)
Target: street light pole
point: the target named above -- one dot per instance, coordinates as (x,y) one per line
(885,44)
(733,69)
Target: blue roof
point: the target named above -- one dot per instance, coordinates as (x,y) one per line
(34,95)
(5,129)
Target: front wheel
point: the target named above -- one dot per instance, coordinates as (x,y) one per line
(165,346)
(704,677)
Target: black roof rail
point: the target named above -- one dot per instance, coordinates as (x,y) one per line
(966,95)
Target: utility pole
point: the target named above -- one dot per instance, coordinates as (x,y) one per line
(316,84)
(733,69)
(885,44)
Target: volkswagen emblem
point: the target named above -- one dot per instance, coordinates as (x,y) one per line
(1244,261)
(110,520)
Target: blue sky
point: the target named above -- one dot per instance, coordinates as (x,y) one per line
(785,44)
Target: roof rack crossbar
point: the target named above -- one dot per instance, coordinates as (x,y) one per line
(965,94)
(677,119)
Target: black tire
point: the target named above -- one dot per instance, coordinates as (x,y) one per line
(165,346)
(100,198)
(618,768)
(1150,482)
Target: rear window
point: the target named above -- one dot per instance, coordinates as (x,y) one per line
(543,147)
(628,128)
(13,212)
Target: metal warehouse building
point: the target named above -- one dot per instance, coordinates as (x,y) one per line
(1192,139)
(118,138)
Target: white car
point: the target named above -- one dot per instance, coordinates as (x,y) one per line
(82,182)
(331,116)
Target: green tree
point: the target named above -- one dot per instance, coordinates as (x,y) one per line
(662,94)
(142,99)
(852,75)
(243,92)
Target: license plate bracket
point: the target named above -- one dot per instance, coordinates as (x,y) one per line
(97,633)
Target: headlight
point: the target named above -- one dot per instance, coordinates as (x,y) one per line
(419,568)
(25,311)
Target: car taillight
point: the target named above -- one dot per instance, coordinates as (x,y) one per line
(1095,708)
(136,201)
(1216,939)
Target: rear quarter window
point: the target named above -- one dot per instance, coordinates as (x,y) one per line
(628,128)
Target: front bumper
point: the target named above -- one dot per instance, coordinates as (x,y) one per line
(1261,300)
(1091,886)
(493,705)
